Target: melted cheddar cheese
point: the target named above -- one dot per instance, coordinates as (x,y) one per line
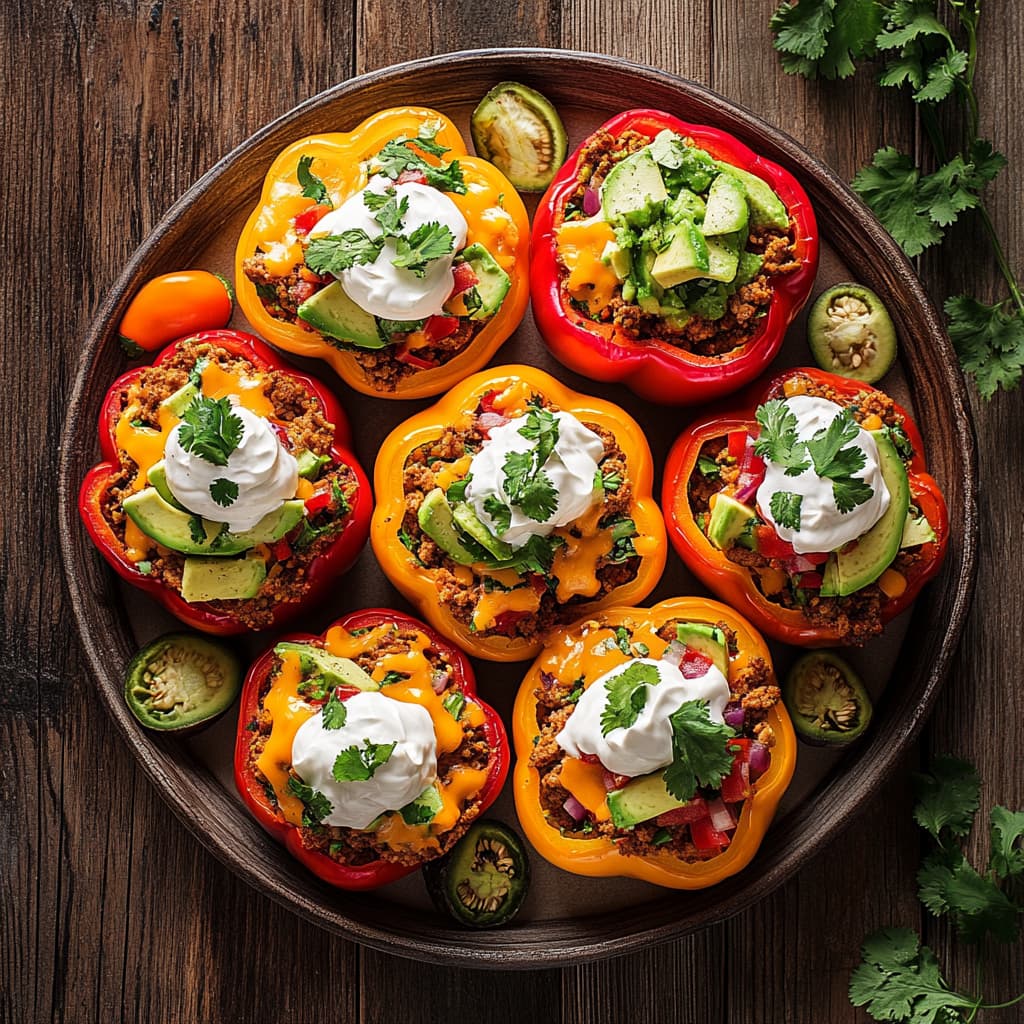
(580,245)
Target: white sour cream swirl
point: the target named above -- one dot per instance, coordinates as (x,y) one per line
(381,288)
(411,767)
(822,526)
(265,472)
(646,745)
(571,467)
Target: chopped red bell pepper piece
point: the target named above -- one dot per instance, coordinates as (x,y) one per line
(693,810)
(319,501)
(706,836)
(282,550)
(438,327)
(613,780)
(737,444)
(770,544)
(308,219)
(465,278)
(694,664)
(405,355)
(810,581)
(736,785)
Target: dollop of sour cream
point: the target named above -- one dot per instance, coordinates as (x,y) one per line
(822,526)
(264,470)
(571,467)
(646,745)
(411,767)
(381,288)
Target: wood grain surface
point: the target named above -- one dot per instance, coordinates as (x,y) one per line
(110,909)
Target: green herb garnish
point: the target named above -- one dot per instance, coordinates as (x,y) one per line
(627,696)
(224,491)
(312,187)
(699,754)
(210,429)
(334,713)
(357,764)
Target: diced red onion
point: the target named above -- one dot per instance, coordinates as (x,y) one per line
(721,817)
(735,717)
(674,653)
(547,679)
(490,420)
(747,488)
(758,759)
(440,680)
(591,202)
(574,808)
(798,564)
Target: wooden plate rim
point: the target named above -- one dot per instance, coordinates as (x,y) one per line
(207,810)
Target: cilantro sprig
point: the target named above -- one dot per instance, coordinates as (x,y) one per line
(357,764)
(526,483)
(399,155)
(699,750)
(901,980)
(312,186)
(924,56)
(627,696)
(211,430)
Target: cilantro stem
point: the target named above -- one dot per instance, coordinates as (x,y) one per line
(1002,1006)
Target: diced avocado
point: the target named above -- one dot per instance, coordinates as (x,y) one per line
(614,256)
(830,577)
(874,552)
(726,207)
(723,257)
(492,282)
(157,477)
(648,290)
(332,312)
(767,210)
(729,518)
(335,671)
(706,640)
(640,800)
(273,526)
(437,522)
(468,521)
(749,268)
(181,399)
(916,530)
(424,808)
(686,205)
(222,579)
(685,258)
(310,463)
(634,190)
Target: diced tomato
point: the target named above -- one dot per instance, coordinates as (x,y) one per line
(694,664)
(308,219)
(771,545)
(438,327)
(613,781)
(539,584)
(505,622)
(590,759)
(465,278)
(737,444)
(319,501)
(301,290)
(736,785)
(411,174)
(692,810)
(405,355)
(811,581)
(282,550)
(706,836)
(740,747)
(487,401)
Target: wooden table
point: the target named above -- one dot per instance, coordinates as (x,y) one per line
(111,910)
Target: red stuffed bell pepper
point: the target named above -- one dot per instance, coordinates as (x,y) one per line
(296,504)
(366,750)
(671,258)
(748,529)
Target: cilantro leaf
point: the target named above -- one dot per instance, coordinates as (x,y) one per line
(1006,858)
(224,491)
(785,509)
(778,439)
(537,556)
(627,696)
(457,490)
(196,529)
(947,798)
(834,462)
(825,37)
(989,341)
(312,186)
(336,253)
(472,301)
(317,806)
(942,77)
(899,980)
(375,200)
(390,213)
(428,242)
(426,138)
(526,484)
(699,754)
(396,157)
(500,513)
(538,498)
(357,764)
(709,468)
(454,703)
(541,426)
(210,429)
(334,713)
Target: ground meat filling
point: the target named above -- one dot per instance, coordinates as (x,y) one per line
(745,308)
(354,847)
(461,595)
(753,688)
(855,618)
(384,368)
(300,417)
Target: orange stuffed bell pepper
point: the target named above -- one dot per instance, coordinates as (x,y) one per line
(652,743)
(782,560)
(515,504)
(387,252)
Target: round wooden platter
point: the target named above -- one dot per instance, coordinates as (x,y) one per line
(567,919)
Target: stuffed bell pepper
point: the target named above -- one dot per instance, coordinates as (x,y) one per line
(515,504)
(671,258)
(387,252)
(366,750)
(651,742)
(227,491)
(809,510)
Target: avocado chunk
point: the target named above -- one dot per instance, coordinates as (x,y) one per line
(492,283)
(424,808)
(310,463)
(157,477)
(335,671)
(706,640)
(685,258)
(729,518)
(723,257)
(916,530)
(634,190)
(726,210)
(640,800)
(826,699)
(469,522)
(332,312)
(767,210)
(222,579)
(874,552)
(619,259)
(438,523)
(181,399)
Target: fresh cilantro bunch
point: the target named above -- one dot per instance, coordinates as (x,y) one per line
(826,38)
(901,980)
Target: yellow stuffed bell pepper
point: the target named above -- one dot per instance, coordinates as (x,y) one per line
(514,505)
(387,252)
(652,743)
